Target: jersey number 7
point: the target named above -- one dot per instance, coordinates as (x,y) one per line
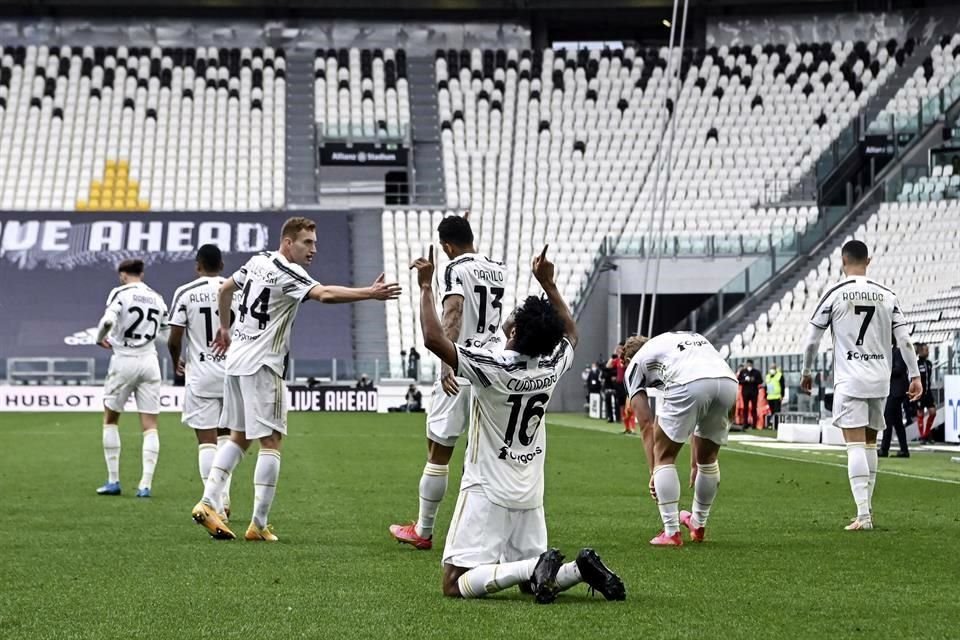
(869,310)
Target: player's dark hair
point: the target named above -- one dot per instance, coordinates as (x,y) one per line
(134,267)
(210,258)
(456,231)
(856,252)
(749,361)
(539,328)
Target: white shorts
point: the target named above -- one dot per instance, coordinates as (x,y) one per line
(482,532)
(700,407)
(851,413)
(255,404)
(200,412)
(449,416)
(138,375)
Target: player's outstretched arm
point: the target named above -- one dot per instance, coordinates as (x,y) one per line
(810,346)
(434,338)
(221,341)
(332,294)
(543,271)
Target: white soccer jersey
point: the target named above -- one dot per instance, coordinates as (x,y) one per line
(271,290)
(508,442)
(137,314)
(480,281)
(862,316)
(195,309)
(674,358)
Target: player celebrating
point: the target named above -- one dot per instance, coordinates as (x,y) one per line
(472,290)
(273,285)
(498,537)
(135,315)
(698,390)
(194,313)
(862,315)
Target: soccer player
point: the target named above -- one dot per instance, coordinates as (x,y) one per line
(926,400)
(862,315)
(498,537)
(135,315)
(472,291)
(273,284)
(194,313)
(698,391)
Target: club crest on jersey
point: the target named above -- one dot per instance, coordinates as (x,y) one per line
(523,458)
(856,355)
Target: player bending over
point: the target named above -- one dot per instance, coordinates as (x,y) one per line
(698,389)
(273,285)
(472,292)
(862,315)
(194,313)
(135,315)
(498,536)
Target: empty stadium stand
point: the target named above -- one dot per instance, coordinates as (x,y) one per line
(361,94)
(935,74)
(134,128)
(560,147)
(916,252)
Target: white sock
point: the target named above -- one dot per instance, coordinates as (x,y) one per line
(265,484)
(151,451)
(205,455)
(569,576)
(859,473)
(225,499)
(872,463)
(705,491)
(111,451)
(490,578)
(667,483)
(229,455)
(433,486)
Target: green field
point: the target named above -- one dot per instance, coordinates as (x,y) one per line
(777,563)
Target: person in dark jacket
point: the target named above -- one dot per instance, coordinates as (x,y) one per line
(750,380)
(893,411)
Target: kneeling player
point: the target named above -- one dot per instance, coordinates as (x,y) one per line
(498,537)
(698,391)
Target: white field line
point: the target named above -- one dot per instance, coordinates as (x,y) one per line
(912,476)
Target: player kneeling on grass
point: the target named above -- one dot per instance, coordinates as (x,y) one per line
(273,285)
(134,316)
(498,536)
(194,314)
(698,390)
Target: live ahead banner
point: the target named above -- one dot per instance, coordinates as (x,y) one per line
(88,398)
(362,154)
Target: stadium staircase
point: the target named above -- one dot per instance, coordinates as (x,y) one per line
(301,142)
(897,79)
(369,320)
(428,184)
(745,313)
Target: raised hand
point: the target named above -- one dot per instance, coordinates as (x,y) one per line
(425,268)
(380,290)
(221,342)
(543,269)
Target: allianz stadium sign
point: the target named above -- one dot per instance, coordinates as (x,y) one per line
(362,155)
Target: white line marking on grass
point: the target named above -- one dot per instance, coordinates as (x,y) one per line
(764,454)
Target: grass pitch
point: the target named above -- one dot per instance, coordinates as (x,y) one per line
(777,563)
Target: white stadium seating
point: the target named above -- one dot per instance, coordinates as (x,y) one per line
(916,252)
(361,94)
(559,147)
(936,73)
(135,129)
